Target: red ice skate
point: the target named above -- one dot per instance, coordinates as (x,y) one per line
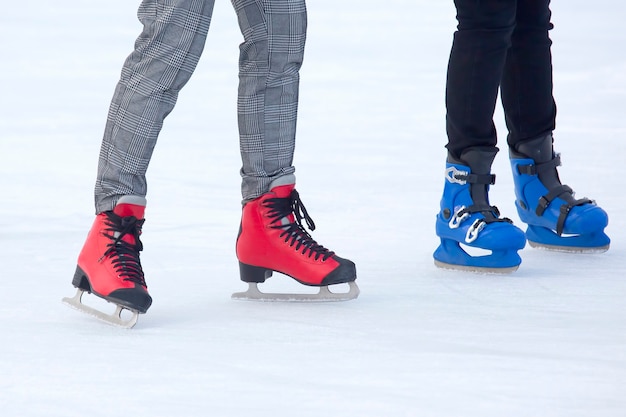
(109,265)
(272,238)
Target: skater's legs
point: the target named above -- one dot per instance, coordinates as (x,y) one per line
(166,54)
(475,68)
(526,87)
(270,58)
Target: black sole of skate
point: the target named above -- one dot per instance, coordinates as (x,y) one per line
(344,274)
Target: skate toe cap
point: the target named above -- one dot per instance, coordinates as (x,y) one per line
(136,298)
(344,272)
(501,236)
(585,219)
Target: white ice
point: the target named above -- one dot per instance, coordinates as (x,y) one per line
(546,341)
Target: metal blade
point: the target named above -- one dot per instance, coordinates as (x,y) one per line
(324,295)
(114,319)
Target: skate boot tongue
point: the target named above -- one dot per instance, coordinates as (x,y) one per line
(541,152)
(131,206)
(283,191)
(479,159)
(538,149)
(289,211)
(283,187)
(131,210)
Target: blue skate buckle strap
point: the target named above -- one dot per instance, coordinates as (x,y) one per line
(457,176)
(565,209)
(491,214)
(545,200)
(481,179)
(534,169)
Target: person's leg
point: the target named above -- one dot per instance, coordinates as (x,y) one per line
(466,217)
(556,219)
(166,54)
(272,236)
(526,87)
(477,59)
(270,59)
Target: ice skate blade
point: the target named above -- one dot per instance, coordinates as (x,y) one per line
(567,249)
(324,295)
(476,269)
(114,319)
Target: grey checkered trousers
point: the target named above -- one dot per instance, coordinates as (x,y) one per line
(166,54)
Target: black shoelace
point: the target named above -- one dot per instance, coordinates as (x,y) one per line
(294,233)
(124,256)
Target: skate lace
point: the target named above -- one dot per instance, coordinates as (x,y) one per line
(294,233)
(124,255)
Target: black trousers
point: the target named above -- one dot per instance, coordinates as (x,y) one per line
(499,44)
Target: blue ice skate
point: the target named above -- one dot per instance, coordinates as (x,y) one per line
(466,218)
(556,220)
